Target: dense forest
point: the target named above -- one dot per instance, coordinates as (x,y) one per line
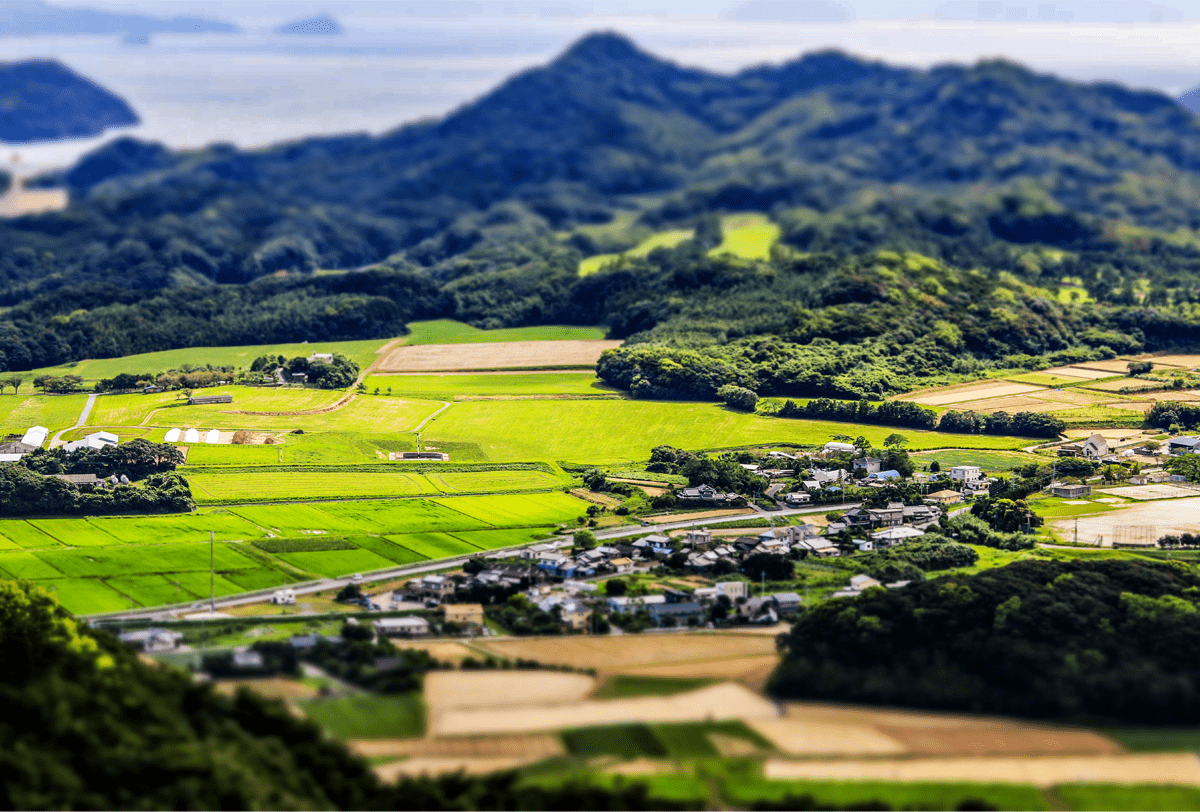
(934,224)
(1114,639)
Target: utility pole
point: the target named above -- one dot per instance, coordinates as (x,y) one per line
(1076,530)
(212,573)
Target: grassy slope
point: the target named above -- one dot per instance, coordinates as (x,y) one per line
(19,412)
(446,331)
(362,352)
(615,430)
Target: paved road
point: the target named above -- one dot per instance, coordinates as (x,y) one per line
(623,532)
(56,441)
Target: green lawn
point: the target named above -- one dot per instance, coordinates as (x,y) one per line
(1053,507)
(606,431)
(23,411)
(1086,797)
(362,352)
(368,716)
(446,386)
(447,331)
(622,686)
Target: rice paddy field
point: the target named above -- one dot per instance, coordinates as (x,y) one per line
(454,386)
(301,485)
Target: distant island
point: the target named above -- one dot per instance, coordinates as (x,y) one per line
(323,26)
(35,17)
(1191,100)
(45,101)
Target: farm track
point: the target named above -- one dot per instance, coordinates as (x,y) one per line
(56,441)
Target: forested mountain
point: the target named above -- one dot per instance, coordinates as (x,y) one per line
(42,100)
(992,190)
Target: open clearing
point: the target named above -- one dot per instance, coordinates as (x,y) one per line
(503,355)
(1042,771)
(1148,519)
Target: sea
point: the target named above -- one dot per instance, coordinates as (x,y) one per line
(257,88)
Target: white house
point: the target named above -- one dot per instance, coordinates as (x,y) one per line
(1095,447)
(284,597)
(895,535)
(402,626)
(965,473)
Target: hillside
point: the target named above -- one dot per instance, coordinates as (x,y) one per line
(42,100)
(1072,204)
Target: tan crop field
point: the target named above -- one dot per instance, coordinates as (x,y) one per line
(619,654)
(1079,372)
(1123,383)
(1188,361)
(1017,403)
(1115,365)
(446,690)
(980,391)
(1042,771)
(532,745)
(501,355)
(1074,397)
(726,700)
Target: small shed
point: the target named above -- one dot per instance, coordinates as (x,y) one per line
(1070,491)
(409,626)
(207,400)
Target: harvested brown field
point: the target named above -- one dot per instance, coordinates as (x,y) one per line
(501,355)
(1186,395)
(595,498)
(1188,361)
(716,702)
(800,738)
(534,745)
(1123,383)
(446,690)
(1113,366)
(1019,403)
(1043,771)
(439,650)
(978,391)
(619,654)
(1079,372)
(1114,436)
(753,672)
(1074,396)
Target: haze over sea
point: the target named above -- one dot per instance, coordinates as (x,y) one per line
(394,65)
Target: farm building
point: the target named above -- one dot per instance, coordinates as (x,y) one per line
(208,400)
(79,480)
(172,436)
(11,452)
(680,613)
(884,476)
(36,436)
(402,626)
(869,464)
(1069,491)
(1177,445)
(95,441)
(431,586)
(436,456)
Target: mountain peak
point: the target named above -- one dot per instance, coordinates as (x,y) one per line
(604,46)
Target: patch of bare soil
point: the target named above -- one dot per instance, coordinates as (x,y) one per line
(270,688)
(596,498)
(500,355)
(531,745)
(704,514)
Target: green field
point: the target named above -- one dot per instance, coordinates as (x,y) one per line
(361,352)
(393,552)
(336,563)
(679,740)
(84,595)
(899,795)
(25,535)
(987,460)
(434,545)
(747,235)
(517,509)
(1086,797)
(75,532)
(597,431)
(151,590)
(23,411)
(283,485)
(369,716)
(494,539)
(446,331)
(1046,379)
(622,686)
(27,565)
(118,561)
(447,387)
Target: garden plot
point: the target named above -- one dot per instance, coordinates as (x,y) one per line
(980,391)
(503,355)
(717,702)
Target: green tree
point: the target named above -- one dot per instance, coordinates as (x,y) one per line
(738,397)
(895,441)
(583,539)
